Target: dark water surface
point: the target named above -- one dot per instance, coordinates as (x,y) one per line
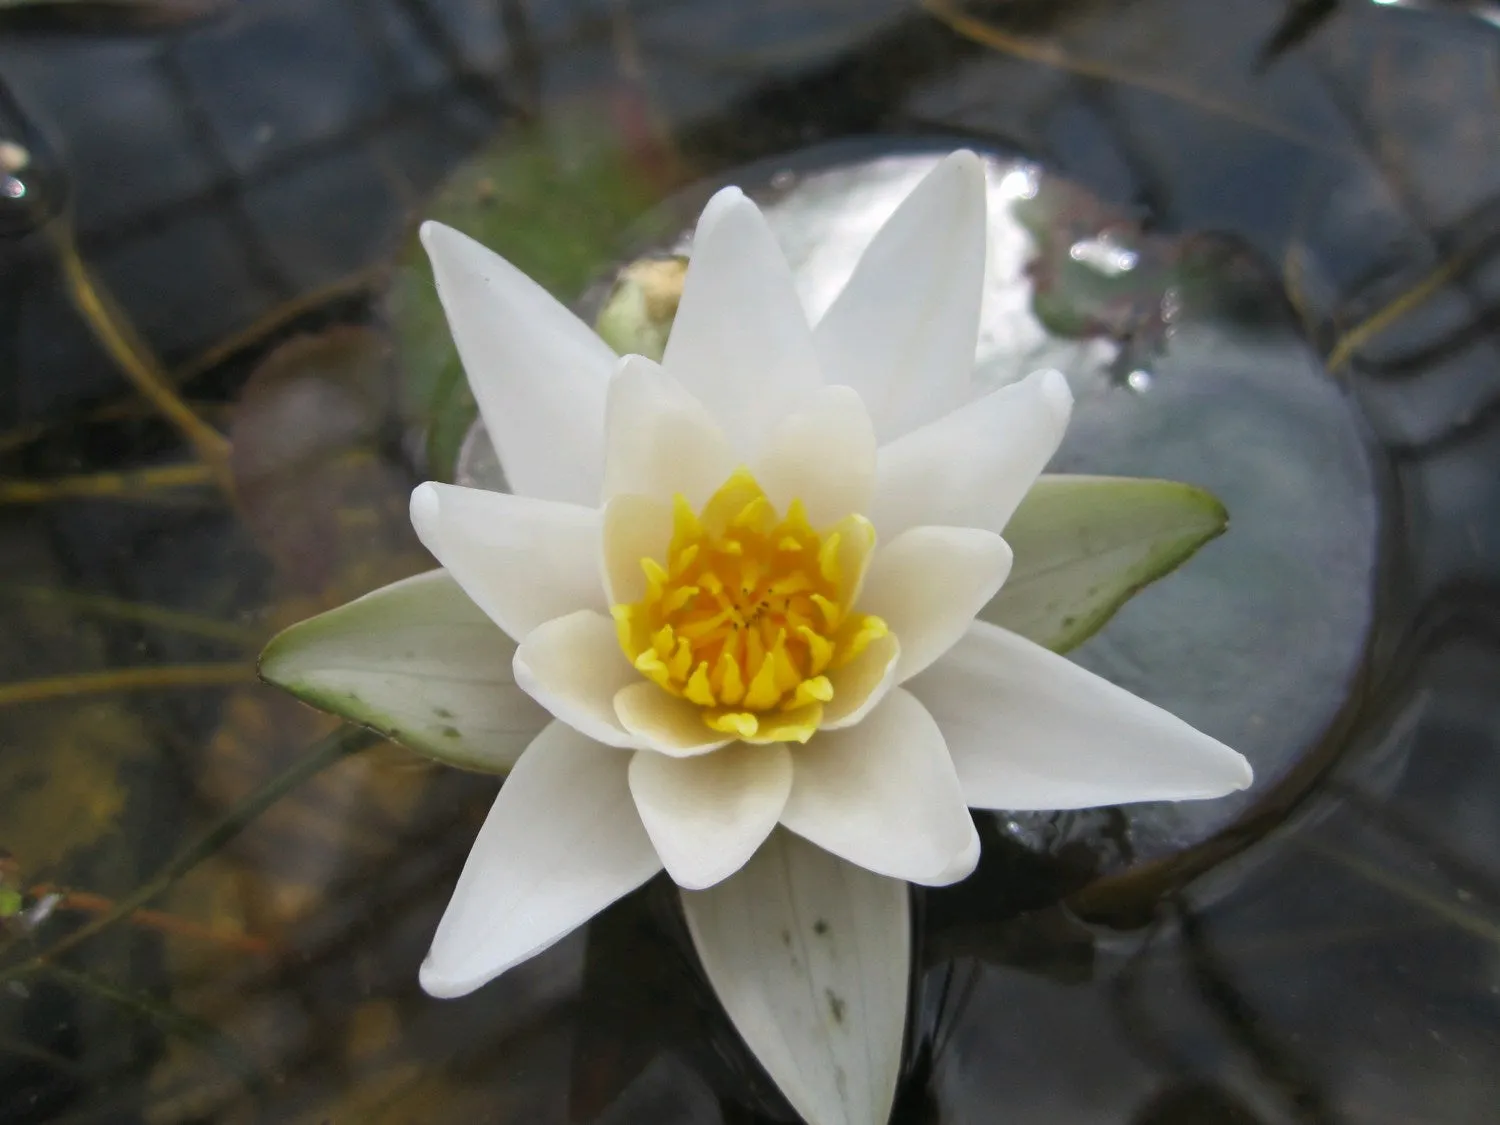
(221,373)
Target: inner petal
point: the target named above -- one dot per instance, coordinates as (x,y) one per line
(748,610)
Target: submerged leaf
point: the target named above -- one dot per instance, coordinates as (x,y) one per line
(1085,545)
(418,661)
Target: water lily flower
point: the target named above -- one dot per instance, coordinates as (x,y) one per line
(741,589)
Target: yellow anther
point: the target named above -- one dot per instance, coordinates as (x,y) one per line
(684,558)
(729,679)
(751,612)
(830,609)
(739,723)
(681,660)
(816,690)
(656,578)
(819,649)
(697,689)
(828,558)
(678,598)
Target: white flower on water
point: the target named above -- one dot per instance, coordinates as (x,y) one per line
(742,585)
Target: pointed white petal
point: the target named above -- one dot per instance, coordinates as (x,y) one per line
(1029,729)
(659,439)
(810,956)
(928,583)
(635,528)
(822,453)
(663,723)
(903,330)
(707,815)
(573,667)
(740,342)
(522,560)
(1085,545)
(860,685)
(537,371)
(418,661)
(971,468)
(561,843)
(885,795)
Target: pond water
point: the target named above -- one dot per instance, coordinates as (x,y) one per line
(1258,238)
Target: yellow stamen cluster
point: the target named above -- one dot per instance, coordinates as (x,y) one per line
(748,612)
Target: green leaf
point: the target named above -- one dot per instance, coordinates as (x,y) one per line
(1085,545)
(419,662)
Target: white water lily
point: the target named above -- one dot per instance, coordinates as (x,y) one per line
(741,588)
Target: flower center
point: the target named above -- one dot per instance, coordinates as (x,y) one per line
(749,611)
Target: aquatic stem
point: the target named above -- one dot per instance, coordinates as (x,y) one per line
(88,903)
(119,337)
(335,747)
(216,1043)
(140,613)
(126,679)
(125,486)
(976,30)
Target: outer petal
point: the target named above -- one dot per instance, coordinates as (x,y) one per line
(740,342)
(885,795)
(810,956)
(523,561)
(573,667)
(1029,729)
(707,815)
(561,843)
(823,453)
(928,583)
(971,468)
(416,660)
(537,371)
(1085,545)
(903,330)
(659,439)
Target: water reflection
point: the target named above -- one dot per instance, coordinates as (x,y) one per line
(246,179)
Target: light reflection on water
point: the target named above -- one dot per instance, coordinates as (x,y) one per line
(244,177)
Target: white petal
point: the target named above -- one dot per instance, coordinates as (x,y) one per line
(537,371)
(659,439)
(928,583)
(522,560)
(573,667)
(740,342)
(860,685)
(663,723)
(822,453)
(635,528)
(903,330)
(418,661)
(561,843)
(971,468)
(885,795)
(1084,545)
(1029,729)
(707,815)
(811,956)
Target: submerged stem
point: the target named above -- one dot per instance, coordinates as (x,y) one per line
(337,746)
